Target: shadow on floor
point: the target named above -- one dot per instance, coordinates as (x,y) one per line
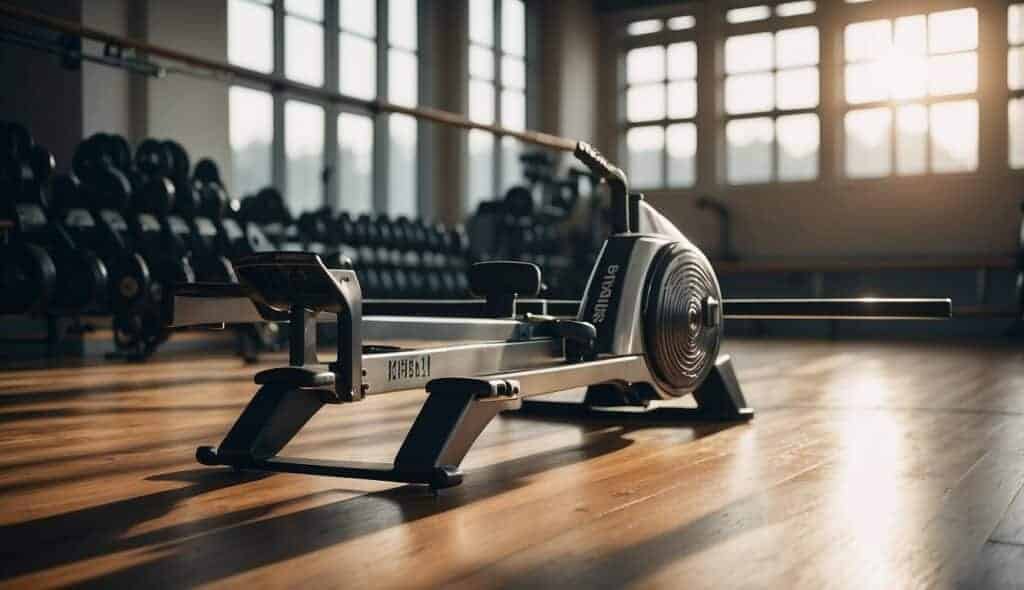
(214,548)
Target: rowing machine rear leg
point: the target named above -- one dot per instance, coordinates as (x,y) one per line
(454,415)
(719,399)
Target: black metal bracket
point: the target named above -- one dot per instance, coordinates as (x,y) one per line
(719,399)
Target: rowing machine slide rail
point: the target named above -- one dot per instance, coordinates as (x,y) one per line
(647,329)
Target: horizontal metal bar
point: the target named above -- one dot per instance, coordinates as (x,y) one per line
(628,369)
(379,329)
(412,369)
(273,81)
(867,308)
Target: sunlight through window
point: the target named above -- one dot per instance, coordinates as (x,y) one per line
(890,64)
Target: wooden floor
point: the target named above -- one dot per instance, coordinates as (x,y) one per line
(869,465)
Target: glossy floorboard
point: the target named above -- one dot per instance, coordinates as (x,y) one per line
(869,465)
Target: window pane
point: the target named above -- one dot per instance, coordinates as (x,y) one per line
(868,40)
(682,154)
(355,162)
(251,36)
(304,150)
(646,64)
(1015,24)
(953,30)
(794,8)
(796,47)
(797,89)
(1016,119)
(911,35)
(748,14)
(748,53)
(1015,68)
(907,76)
(480,175)
(682,99)
(357,70)
(513,72)
(481,101)
(643,27)
(513,27)
(511,167)
(481,62)
(481,21)
(646,146)
(644,103)
(402,19)
(866,82)
(358,16)
(513,109)
(402,77)
(749,146)
(953,74)
(867,143)
(798,138)
(251,131)
(749,93)
(311,9)
(402,166)
(954,135)
(682,61)
(303,51)
(912,139)
(680,23)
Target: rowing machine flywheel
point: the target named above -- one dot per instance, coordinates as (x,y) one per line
(682,317)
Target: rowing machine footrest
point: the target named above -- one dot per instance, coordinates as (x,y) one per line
(501,281)
(295,377)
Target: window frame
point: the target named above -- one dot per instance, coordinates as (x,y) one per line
(853,13)
(331,28)
(662,38)
(497,50)
(773,24)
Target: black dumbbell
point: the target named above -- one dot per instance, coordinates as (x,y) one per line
(78,282)
(92,223)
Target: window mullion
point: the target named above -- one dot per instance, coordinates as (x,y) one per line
(279,176)
(496,51)
(331,152)
(381,144)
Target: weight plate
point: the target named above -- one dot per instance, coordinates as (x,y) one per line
(81,280)
(682,317)
(153,158)
(207,171)
(28,278)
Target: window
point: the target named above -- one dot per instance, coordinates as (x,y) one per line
(304,41)
(403,73)
(251,35)
(251,132)
(909,85)
(660,100)
(1015,81)
(772,124)
(304,150)
(497,94)
(323,145)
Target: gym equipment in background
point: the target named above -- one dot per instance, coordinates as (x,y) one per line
(648,329)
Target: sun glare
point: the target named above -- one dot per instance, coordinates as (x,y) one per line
(890,64)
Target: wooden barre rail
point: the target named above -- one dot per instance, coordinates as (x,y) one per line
(276,82)
(813,265)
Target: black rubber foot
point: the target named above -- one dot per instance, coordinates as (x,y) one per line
(207,455)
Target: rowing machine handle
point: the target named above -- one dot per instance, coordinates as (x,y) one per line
(615,178)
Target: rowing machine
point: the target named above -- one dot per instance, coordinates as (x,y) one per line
(647,329)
